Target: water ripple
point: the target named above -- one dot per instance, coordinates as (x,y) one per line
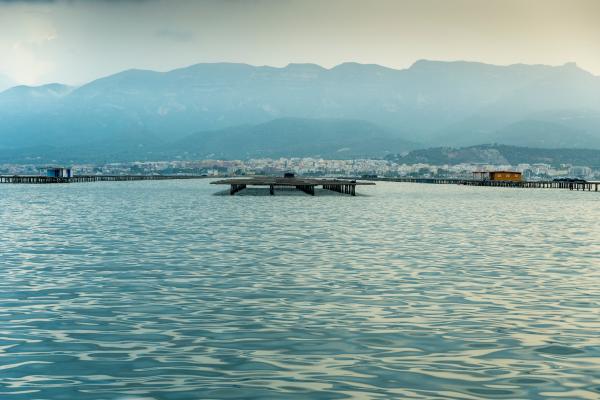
(161,290)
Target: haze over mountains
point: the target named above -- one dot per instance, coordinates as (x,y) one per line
(239,111)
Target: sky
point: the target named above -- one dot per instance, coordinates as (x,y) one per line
(76,41)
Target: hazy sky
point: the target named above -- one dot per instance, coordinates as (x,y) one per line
(74,41)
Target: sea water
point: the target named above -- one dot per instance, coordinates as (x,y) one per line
(163,290)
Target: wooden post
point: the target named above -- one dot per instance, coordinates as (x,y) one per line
(236,188)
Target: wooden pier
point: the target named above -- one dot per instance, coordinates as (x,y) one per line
(346,185)
(305,185)
(570,185)
(39,179)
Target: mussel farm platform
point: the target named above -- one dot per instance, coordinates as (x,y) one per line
(305,185)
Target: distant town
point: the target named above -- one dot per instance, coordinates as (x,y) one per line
(312,167)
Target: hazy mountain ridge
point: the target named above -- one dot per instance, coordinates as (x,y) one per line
(285,137)
(499,154)
(296,137)
(433,103)
(481,154)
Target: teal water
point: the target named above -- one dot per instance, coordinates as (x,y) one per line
(162,290)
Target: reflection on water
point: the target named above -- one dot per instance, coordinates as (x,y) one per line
(160,290)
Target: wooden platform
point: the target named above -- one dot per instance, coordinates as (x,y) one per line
(38,179)
(584,186)
(306,185)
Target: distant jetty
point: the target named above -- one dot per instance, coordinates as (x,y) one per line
(346,185)
(40,179)
(571,184)
(290,181)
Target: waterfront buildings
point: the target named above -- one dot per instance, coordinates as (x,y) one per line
(317,167)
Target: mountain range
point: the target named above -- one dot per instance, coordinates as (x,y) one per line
(499,155)
(283,137)
(239,111)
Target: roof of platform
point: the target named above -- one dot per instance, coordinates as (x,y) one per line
(275,181)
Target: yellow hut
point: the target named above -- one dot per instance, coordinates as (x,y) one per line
(505,176)
(509,176)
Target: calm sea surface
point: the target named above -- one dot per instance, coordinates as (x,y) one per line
(162,290)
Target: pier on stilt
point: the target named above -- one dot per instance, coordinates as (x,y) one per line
(302,184)
(345,186)
(555,184)
(40,179)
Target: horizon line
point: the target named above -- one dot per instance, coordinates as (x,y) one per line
(290,64)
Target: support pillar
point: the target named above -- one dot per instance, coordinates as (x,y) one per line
(308,189)
(236,188)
